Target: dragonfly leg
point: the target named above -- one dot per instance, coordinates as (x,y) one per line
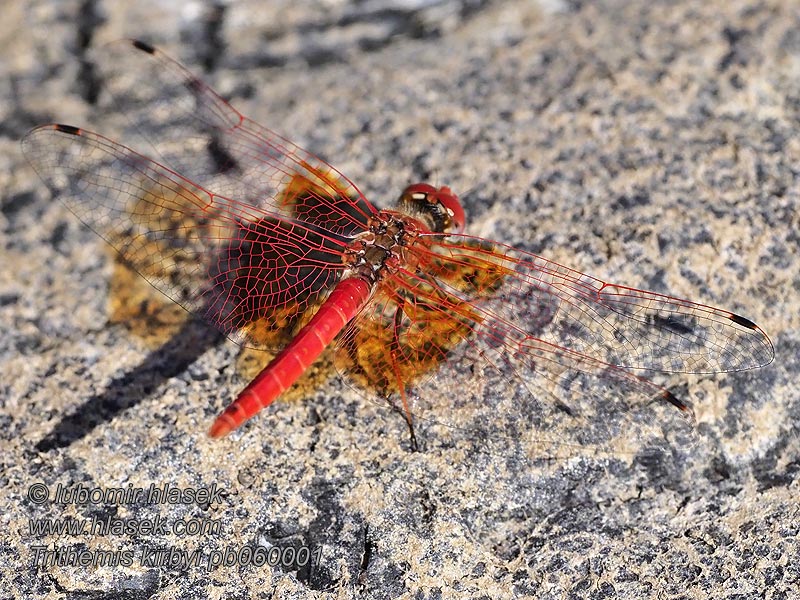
(396,351)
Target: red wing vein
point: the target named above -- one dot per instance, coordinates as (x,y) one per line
(616,325)
(230,263)
(212,143)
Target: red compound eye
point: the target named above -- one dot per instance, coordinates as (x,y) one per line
(444,196)
(304,261)
(421,189)
(453,206)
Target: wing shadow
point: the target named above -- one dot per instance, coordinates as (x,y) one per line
(136,385)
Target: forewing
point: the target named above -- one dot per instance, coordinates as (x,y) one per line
(542,301)
(251,273)
(198,134)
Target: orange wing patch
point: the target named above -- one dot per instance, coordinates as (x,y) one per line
(322,197)
(140,308)
(414,322)
(471,267)
(318,182)
(169,210)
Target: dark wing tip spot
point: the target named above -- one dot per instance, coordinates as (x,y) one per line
(742,321)
(672,399)
(67,129)
(565,409)
(143,46)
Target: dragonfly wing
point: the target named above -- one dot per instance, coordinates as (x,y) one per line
(543,354)
(251,273)
(198,134)
(540,302)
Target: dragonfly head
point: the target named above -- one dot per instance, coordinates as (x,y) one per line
(440,207)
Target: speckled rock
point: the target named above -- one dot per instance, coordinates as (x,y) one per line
(652,144)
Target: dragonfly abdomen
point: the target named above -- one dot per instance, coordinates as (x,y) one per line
(338,310)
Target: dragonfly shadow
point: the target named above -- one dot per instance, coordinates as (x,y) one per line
(134,386)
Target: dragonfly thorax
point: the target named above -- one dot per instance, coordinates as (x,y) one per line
(383,248)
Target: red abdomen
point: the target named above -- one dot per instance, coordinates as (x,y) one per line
(338,310)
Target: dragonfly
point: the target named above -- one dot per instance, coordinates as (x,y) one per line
(281,252)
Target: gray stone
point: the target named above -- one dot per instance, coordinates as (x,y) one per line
(650,144)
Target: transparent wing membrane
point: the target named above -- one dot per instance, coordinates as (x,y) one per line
(198,134)
(547,356)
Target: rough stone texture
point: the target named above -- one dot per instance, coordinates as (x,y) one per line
(649,143)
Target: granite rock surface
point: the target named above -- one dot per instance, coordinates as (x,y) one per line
(648,143)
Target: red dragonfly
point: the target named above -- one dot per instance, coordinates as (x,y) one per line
(278,250)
